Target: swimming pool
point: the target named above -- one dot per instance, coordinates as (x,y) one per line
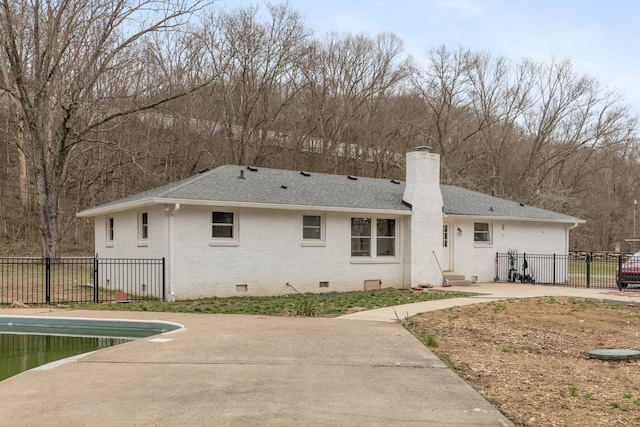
(72,326)
(27,342)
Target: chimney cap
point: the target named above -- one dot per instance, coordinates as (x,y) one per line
(423,148)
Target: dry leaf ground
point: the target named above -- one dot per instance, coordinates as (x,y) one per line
(528,357)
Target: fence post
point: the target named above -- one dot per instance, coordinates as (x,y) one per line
(554,269)
(47,279)
(588,261)
(619,273)
(95,279)
(164,297)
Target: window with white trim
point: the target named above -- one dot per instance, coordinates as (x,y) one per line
(143,226)
(386,237)
(481,232)
(312,227)
(445,235)
(110,230)
(222,225)
(360,237)
(373,242)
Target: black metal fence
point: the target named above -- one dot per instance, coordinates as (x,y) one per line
(80,280)
(599,270)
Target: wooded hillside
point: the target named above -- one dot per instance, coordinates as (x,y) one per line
(101,99)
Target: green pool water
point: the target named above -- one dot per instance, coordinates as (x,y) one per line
(20,352)
(29,342)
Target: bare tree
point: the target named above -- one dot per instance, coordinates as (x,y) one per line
(347,75)
(73,68)
(256,59)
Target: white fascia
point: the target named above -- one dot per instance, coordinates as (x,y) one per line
(150,201)
(572,221)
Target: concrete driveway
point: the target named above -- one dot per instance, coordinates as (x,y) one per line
(227,370)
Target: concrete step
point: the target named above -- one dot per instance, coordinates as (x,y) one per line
(459,282)
(456,279)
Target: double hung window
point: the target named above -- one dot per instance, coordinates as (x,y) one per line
(110,230)
(222,225)
(379,240)
(481,232)
(143,226)
(312,227)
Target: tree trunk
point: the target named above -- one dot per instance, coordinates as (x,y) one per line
(47,198)
(49,228)
(24,195)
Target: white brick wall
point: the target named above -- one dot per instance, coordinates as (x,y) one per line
(270,254)
(126,243)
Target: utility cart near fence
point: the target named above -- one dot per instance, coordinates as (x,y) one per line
(578,269)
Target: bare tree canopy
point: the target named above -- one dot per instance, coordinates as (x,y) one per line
(75,66)
(100,99)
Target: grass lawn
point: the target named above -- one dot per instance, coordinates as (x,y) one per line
(579,267)
(322,305)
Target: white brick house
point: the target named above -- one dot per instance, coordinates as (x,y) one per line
(243,230)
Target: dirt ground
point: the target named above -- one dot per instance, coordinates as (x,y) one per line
(528,357)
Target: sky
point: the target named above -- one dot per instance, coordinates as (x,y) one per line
(600,37)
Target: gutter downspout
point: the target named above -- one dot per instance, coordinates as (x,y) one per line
(575,224)
(172,295)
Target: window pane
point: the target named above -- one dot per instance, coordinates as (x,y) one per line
(311,221)
(223,217)
(311,233)
(481,226)
(223,231)
(360,226)
(360,246)
(386,246)
(386,227)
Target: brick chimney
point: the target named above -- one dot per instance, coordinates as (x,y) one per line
(422,192)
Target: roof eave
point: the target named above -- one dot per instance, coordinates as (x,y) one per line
(213,203)
(518,218)
(277,206)
(103,210)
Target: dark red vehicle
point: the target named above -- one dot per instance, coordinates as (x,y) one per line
(629,274)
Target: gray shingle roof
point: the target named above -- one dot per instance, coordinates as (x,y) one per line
(460,201)
(264,186)
(280,187)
